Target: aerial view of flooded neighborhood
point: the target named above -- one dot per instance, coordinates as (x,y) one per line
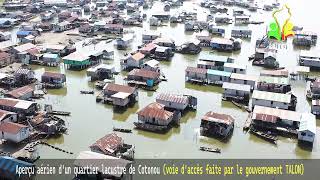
(158,79)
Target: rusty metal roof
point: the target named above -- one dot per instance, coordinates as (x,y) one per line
(11,128)
(219,118)
(157,111)
(118,88)
(144,73)
(109,143)
(53,75)
(181,99)
(196,70)
(17,93)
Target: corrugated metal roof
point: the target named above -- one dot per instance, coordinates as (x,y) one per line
(3,113)
(218,73)
(118,88)
(17,93)
(219,118)
(235,66)
(196,70)
(281,113)
(280,73)
(308,123)
(157,111)
(25,47)
(240,87)
(109,143)
(11,128)
(121,95)
(16,103)
(265,117)
(181,99)
(144,73)
(271,96)
(211,57)
(274,80)
(53,74)
(244,77)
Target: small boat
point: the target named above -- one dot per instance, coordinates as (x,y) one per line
(61,113)
(217,150)
(271,138)
(87,92)
(122,130)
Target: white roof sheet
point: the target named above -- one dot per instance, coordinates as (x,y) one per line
(308,123)
(271,96)
(240,87)
(121,95)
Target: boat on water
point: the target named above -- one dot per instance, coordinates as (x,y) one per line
(122,130)
(87,92)
(208,149)
(266,136)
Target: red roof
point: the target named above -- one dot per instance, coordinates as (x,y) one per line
(118,88)
(196,70)
(17,93)
(155,110)
(11,128)
(109,143)
(144,73)
(217,117)
(33,51)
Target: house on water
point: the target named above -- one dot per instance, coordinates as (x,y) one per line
(306,38)
(166,42)
(275,73)
(21,107)
(148,50)
(235,68)
(307,130)
(51,59)
(112,145)
(76,60)
(163,53)
(309,58)
(155,118)
(216,125)
(190,47)
(315,107)
(267,118)
(274,84)
(6,59)
(23,93)
(148,37)
(151,65)
(244,79)
(14,132)
(215,62)
(119,95)
(176,101)
(7,116)
(193,74)
(216,30)
(133,61)
(236,92)
(224,44)
(101,72)
(53,79)
(124,42)
(24,76)
(274,100)
(143,77)
(241,33)
(217,77)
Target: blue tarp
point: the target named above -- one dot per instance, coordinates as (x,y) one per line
(23,33)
